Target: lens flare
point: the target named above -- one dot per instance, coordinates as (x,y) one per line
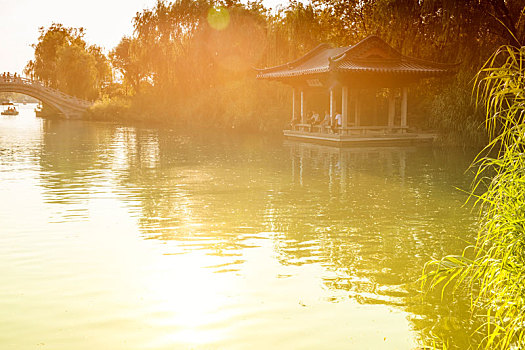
(218,18)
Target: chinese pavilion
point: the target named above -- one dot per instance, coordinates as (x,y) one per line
(345,73)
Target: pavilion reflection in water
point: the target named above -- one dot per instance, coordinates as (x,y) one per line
(338,163)
(380,217)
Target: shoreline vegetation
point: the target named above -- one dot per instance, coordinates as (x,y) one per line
(192,62)
(491,270)
(235,107)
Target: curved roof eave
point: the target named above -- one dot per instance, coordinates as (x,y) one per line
(291,64)
(351,59)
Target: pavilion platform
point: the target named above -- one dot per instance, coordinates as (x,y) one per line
(358,136)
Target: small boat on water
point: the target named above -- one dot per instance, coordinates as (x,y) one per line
(10,111)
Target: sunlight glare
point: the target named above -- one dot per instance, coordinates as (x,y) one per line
(196,309)
(218,18)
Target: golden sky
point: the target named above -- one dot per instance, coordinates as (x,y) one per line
(105,21)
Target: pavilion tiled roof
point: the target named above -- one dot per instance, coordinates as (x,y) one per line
(369,55)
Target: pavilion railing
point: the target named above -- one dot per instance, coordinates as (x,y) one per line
(350,130)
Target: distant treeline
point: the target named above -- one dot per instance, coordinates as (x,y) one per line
(191,62)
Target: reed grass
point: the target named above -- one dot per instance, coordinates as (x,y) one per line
(495,271)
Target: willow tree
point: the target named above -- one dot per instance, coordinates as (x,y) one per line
(64,61)
(163,34)
(449,30)
(128,59)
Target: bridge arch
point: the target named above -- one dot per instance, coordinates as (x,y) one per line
(69,106)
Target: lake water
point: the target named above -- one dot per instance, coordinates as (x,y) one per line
(122,237)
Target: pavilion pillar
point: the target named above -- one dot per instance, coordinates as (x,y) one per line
(357,109)
(404,105)
(302,107)
(332,103)
(391,107)
(344,106)
(374,115)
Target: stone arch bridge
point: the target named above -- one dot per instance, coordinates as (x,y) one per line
(69,106)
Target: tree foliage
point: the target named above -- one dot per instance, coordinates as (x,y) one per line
(64,61)
(181,49)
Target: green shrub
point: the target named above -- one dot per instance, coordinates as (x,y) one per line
(118,108)
(453,113)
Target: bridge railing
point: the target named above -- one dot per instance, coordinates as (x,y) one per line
(36,84)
